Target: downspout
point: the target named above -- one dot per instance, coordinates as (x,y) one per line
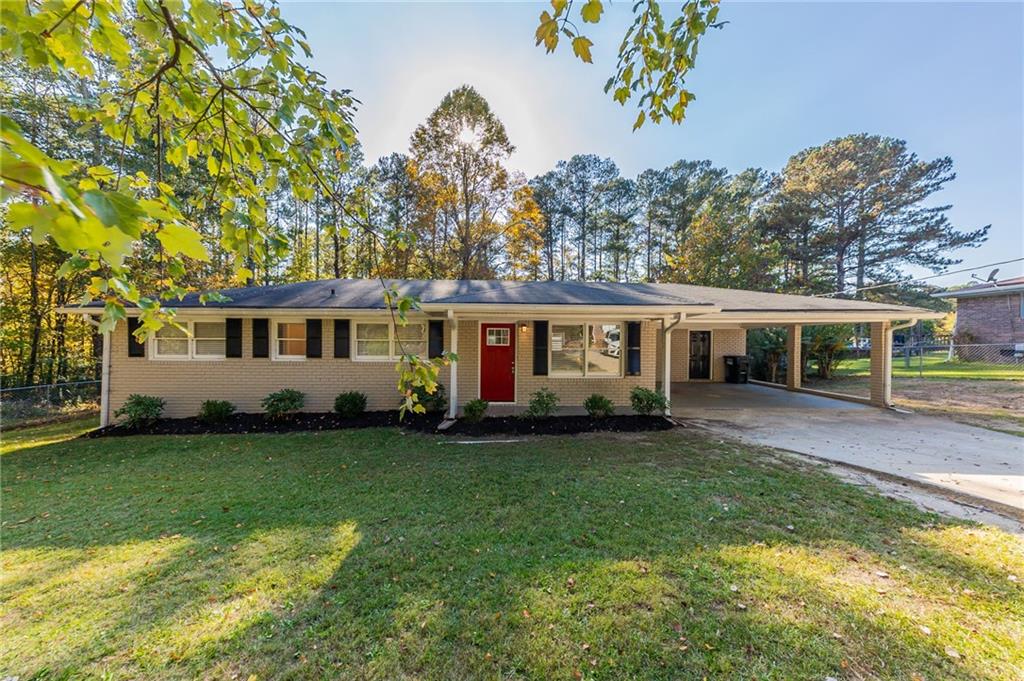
(104,376)
(666,358)
(453,371)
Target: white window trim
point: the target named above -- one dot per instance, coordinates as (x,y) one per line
(392,341)
(586,349)
(191,355)
(274,354)
(507,334)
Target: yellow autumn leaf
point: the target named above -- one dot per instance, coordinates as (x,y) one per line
(581,48)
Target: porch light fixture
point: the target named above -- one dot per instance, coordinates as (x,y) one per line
(523,327)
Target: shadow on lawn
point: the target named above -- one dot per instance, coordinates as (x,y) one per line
(381,554)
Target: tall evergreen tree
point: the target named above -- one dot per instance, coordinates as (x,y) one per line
(585,178)
(867,197)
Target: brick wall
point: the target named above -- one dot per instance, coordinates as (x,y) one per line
(991,319)
(571,391)
(723,342)
(244,381)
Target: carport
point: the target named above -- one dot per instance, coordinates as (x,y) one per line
(693,346)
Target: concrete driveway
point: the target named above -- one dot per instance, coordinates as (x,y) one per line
(985,465)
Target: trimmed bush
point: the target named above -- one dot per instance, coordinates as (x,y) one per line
(283,402)
(350,404)
(542,404)
(215,411)
(598,406)
(646,401)
(434,402)
(141,410)
(475,410)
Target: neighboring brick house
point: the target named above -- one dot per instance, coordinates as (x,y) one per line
(989,313)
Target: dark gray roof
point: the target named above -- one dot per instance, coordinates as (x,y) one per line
(368,294)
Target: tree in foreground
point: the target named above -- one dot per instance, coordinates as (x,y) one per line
(223,85)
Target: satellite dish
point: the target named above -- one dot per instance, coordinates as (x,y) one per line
(991,279)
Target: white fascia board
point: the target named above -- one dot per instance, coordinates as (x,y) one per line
(981,293)
(777,318)
(247,312)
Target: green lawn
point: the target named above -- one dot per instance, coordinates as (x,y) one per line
(382,554)
(935,365)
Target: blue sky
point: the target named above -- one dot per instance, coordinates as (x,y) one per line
(947,78)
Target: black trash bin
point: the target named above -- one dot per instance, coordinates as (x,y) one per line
(737,368)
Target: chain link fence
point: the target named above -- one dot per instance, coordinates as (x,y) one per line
(953,360)
(40,403)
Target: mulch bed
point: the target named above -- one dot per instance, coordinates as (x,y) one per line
(428,423)
(558,425)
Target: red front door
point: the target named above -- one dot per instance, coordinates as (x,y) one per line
(498,362)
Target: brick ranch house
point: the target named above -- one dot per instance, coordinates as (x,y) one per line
(989,313)
(512,338)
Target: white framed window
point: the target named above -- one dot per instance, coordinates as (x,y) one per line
(498,336)
(198,340)
(589,350)
(290,340)
(208,339)
(384,341)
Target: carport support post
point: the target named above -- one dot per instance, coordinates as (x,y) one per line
(794,360)
(881,364)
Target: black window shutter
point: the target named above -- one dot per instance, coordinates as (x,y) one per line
(540,348)
(314,338)
(233,337)
(136,348)
(261,338)
(342,346)
(435,347)
(632,348)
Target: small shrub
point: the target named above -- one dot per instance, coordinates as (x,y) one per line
(598,406)
(215,411)
(350,404)
(475,410)
(141,410)
(542,404)
(283,402)
(434,402)
(646,401)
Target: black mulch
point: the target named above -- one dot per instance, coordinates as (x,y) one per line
(428,423)
(558,425)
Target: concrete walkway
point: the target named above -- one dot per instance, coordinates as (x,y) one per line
(985,465)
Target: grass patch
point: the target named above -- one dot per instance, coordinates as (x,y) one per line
(49,433)
(382,554)
(936,365)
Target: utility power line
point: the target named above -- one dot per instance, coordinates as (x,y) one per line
(907,281)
